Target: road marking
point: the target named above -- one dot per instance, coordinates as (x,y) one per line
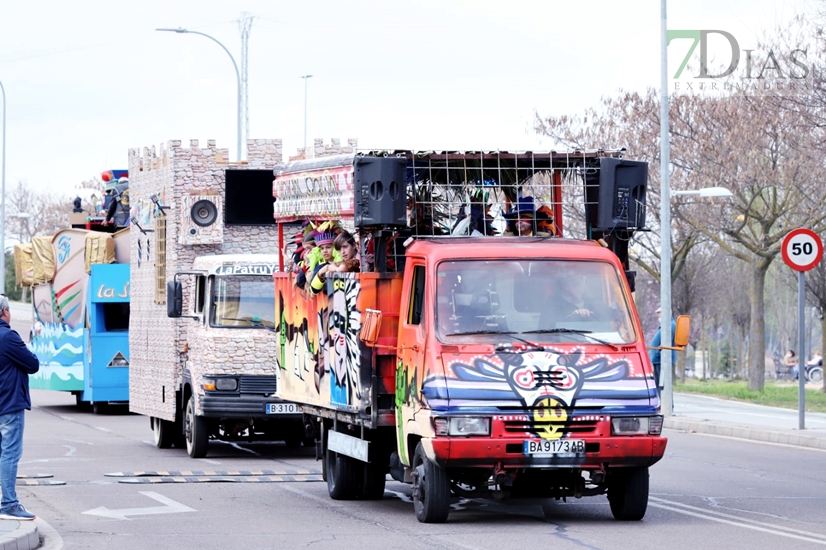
(102,429)
(757,441)
(225,473)
(71,450)
(221,479)
(169,507)
(32,482)
(737,521)
(34,476)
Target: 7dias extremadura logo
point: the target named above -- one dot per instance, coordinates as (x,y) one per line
(751,67)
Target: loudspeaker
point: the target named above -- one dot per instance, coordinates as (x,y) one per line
(201,220)
(204,213)
(380,191)
(622,188)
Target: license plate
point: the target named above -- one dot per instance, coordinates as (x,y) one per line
(282,408)
(547,447)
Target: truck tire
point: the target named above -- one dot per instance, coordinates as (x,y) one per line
(197,436)
(163,432)
(431,489)
(344,479)
(375,477)
(628,493)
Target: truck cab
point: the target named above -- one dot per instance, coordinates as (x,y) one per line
(230,385)
(522,371)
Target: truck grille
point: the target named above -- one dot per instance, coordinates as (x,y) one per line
(574,427)
(265,385)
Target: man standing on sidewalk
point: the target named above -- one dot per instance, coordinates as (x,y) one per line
(655,353)
(16,364)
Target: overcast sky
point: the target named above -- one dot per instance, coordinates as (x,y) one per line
(86,80)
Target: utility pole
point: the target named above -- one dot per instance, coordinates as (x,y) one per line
(305,77)
(244,25)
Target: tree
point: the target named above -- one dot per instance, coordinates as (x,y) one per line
(767,157)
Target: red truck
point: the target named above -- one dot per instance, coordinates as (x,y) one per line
(477,353)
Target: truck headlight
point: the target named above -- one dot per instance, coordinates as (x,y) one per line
(221,384)
(468,425)
(637,425)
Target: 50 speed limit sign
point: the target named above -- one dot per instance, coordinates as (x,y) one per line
(802,249)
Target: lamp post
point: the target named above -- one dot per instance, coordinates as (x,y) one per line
(305,77)
(665,220)
(3,199)
(237,76)
(665,288)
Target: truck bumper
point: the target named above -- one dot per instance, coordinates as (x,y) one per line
(242,406)
(507,453)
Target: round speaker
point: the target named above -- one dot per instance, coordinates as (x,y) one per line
(204,213)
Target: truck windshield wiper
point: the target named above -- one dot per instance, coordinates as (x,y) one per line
(536,347)
(585,333)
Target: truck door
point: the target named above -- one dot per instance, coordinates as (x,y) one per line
(410,369)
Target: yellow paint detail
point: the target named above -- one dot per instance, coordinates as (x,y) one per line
(550,417)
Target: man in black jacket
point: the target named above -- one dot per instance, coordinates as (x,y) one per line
(16,364)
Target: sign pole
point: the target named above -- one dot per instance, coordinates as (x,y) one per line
(801,341)
(802,250)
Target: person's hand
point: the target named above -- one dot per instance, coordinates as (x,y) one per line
(104,222)
(583,312)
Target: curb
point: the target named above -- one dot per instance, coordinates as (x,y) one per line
(18,535)
(740,432)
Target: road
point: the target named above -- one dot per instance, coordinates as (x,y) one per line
(709,492)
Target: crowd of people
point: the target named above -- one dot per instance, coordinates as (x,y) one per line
(323,249)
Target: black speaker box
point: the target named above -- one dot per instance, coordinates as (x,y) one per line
(204,213)
(622,188)
(380,191)
(248,197)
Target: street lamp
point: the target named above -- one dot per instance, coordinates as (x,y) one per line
(3,199)
(305,77)
(237,76)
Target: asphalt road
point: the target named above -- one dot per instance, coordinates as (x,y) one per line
(709,492)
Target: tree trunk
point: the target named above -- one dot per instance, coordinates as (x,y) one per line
(757,327)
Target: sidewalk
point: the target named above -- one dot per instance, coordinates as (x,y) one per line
(18,535)
(710,415)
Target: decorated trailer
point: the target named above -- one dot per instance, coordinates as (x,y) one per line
(477,352)
(79,281)
(204,250)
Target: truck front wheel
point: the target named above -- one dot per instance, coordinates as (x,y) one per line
(196,431)
(344,481)
(431,489)
(628,493)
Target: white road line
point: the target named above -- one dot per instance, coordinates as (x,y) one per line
(745,523)
(760,442)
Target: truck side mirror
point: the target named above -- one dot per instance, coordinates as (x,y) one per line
(174,299)
(682,331)
(370,326)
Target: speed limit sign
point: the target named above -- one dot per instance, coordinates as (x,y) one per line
(802,249)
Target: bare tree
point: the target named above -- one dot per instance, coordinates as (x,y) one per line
(765,156)
(36,213)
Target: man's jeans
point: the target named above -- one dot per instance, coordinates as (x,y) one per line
(11,448)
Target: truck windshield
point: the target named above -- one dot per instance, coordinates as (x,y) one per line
(547,301)
(242,301)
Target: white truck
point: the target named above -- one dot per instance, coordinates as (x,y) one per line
(203,364)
